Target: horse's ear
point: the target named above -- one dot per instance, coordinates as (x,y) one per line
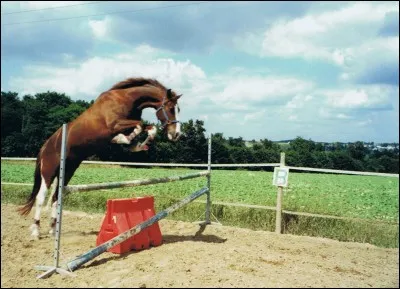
(169,93)
(177,97)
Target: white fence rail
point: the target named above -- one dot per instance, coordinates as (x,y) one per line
(224,166)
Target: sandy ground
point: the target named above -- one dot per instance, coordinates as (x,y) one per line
(219,256)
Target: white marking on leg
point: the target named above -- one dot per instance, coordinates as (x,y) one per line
(138,130)
(35,231)
(135,132)
(120,139)
(41,196)
(152,132)
(54,210)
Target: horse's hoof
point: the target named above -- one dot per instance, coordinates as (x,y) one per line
(52,232)
(35,231)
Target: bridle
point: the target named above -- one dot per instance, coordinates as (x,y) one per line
(162,107)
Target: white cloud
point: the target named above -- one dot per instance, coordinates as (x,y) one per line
(364,123)
(346,35)
(90,78)
(343,116)
(298,101)
(332,35)
(373,60)
(324,113)
(99,27)
(371,96)
(254,115)
(244,92)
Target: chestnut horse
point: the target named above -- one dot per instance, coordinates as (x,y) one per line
(111,118)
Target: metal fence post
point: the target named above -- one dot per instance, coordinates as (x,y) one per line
(208,207)
(50,270)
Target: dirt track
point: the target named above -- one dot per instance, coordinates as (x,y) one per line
(218,257)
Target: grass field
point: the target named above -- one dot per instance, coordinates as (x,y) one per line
(366,197)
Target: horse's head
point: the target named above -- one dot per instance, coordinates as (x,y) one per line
(168,113)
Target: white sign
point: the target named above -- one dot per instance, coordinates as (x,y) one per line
(281,176)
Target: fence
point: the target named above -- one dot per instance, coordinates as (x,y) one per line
(277,208)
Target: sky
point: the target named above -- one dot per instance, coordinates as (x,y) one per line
(326,71)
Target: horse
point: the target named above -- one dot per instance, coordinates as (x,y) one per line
(110,118)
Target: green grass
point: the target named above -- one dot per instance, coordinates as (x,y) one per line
(366,197)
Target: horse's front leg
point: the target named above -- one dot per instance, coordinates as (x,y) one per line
(151,131)
(123,125)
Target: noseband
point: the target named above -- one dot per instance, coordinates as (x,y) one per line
(162,107)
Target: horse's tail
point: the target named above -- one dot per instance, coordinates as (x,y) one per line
(26,208)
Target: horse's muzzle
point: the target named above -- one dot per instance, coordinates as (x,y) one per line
(174,136)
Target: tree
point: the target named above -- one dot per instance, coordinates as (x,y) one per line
(219,150)
(12,112)
(389,165)
(357,150)
(236,142)
(343,161)
(300,152)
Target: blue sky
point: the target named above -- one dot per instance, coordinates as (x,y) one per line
(326,71)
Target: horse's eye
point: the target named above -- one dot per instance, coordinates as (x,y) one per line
(172,110)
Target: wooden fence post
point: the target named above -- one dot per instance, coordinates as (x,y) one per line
(278,223)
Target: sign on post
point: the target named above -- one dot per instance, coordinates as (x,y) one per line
(281,176)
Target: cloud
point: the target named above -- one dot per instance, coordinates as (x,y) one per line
(373,97)
(298,101)
(99,28)
(238,96)
(359,37)
(194,28)
(244,93)
(364,122)
(89,78)
(254,115)
(343,116)
(197,28)
(390,25)
(375,62)
(330,35)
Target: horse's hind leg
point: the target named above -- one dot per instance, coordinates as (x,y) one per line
(40,198)
(70,168)
(53,191)
(53,214)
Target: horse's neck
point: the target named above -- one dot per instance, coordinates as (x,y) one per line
(145,97)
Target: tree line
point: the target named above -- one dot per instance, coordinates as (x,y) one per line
(28,121)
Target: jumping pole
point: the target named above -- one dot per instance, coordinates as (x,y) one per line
(56,269)
(86,257)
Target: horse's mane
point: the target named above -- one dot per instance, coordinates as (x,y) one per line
(138,81)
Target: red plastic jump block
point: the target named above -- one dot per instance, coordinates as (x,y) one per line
(124,214)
